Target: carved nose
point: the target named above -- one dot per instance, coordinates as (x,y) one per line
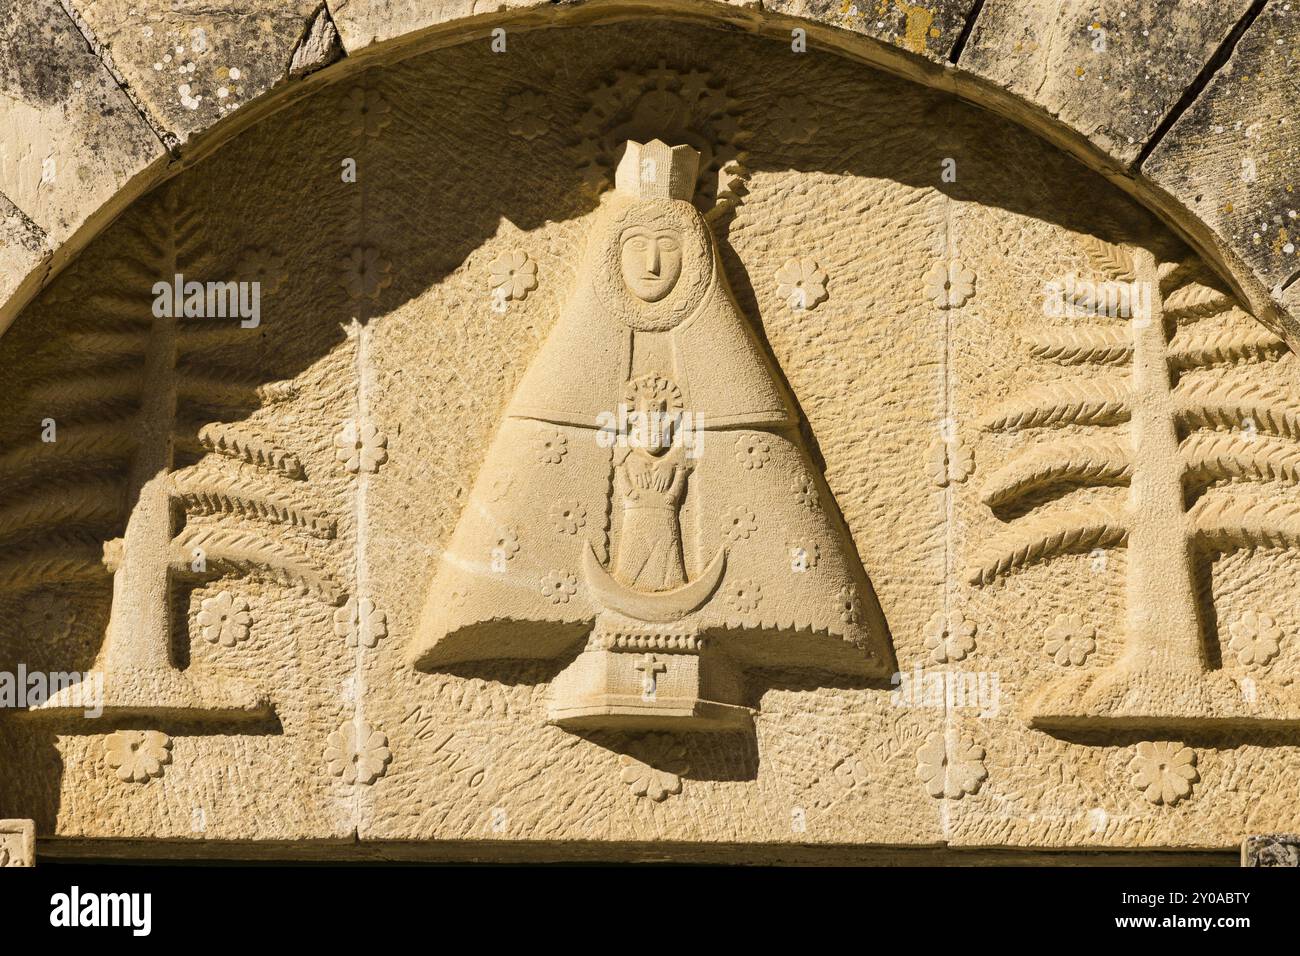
(652,260)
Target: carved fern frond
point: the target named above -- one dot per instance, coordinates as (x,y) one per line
(1174,274)
(105,342)
(113,388)
(1093,345)
(1196,301)
(1063,403)
(122,311)
(1091,461)
(1192,349)
(230,389)
(243,552)
(58,559)
(1232,523)
(208,493)
(1213,404)
(76,445)
(1210,457)
(225,440)
(1112,261)
(191,337)
(90,503)
(1038,538)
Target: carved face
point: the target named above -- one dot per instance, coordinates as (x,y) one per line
(652,261)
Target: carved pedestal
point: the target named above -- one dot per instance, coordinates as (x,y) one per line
(637,676)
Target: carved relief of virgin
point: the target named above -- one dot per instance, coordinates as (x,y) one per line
(660,514)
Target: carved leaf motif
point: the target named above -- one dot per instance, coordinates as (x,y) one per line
(77,446)
(1268,410)
(60,558)
(229,388)
(1088,461)
(1198,349)
(1064,403)
(91,503)
(245,553)
(1042,537)
(105,393)
(218,494)
(1214,457)
(1111,260)
(1083,345)
(224,440)
(1230,523)
(1196,301)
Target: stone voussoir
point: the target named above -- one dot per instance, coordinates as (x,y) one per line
(1233,158)
(1112,71)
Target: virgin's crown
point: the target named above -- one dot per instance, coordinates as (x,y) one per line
(655,170)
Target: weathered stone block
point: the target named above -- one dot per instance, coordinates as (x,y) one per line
(192,63)
(1234,157)
(1110,71)
(70,139)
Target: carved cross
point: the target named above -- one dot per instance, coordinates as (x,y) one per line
(649,667)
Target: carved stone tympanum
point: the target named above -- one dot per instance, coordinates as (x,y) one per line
(651,441)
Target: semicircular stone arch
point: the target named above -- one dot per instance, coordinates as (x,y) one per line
(1187,109)
(996,427)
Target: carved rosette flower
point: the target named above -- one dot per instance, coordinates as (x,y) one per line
(48,616)
(801,283)
(805,492)
(1070,640)
(794,119)
(559,586)
(1256,638)
(949,461)
(948,642)
(361,447)
(551,446)
(951,765)
(744,595)
(752,452)
(364,274)
(359,622)
(850,772)
(739,523)
(1164,771)
(367,112)
(527,114)
(850,606)
(137,756)
(224,619)
(357,753)
(263,266)
(949,285)
(656,773)
(505,545)
(513,275)
(568,516)
(804,555)
(500,487)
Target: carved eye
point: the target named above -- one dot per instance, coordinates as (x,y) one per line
(668,245)
(637,243)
